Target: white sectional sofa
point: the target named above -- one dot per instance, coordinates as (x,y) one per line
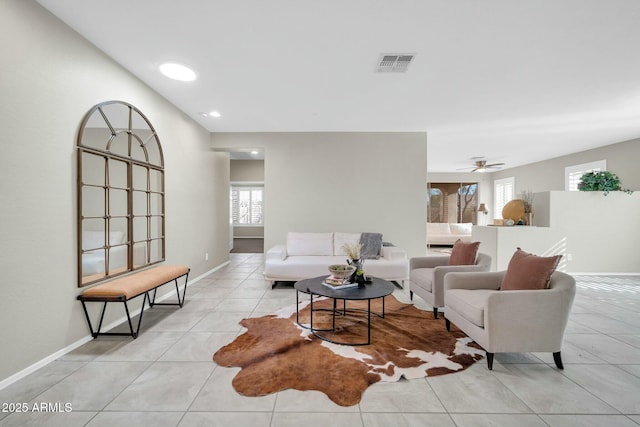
(308,255)
(445,233)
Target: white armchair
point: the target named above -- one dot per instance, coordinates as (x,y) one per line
(509,320)
(426,276)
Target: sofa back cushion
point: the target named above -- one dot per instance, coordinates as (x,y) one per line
(438,228)
(339,240)
(461,228)
(309,243)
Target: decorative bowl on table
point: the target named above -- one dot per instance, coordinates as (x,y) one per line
(341,271)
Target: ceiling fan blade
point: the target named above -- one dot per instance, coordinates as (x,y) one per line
(493,165)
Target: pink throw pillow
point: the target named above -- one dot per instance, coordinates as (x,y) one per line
(464,253)
(528,271)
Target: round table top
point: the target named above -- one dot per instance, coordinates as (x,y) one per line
(378,288)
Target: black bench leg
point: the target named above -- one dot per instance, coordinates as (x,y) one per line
(126,308)
(104,307)
(181,299)
(184,291)
(144,300)
(152,301)
(86,314)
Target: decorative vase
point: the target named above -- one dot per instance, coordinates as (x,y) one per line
(529,218)
(361,280)
(357,263)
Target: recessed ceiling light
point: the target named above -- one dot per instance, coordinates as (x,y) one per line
(254,152)
(215,114)
(177,72)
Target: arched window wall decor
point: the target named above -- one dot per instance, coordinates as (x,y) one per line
(120,191)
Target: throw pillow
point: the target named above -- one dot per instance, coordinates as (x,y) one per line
(371,245)
(464,253)
(528,271)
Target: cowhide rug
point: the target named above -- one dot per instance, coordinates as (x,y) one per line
(276,354)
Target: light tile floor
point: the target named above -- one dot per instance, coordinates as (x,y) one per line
(166,377)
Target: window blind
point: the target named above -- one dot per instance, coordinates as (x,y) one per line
(247,205)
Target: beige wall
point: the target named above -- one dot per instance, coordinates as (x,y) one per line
(599,233)
(622,159)
(348,182)
(594,233)
(247,170)
(50,78)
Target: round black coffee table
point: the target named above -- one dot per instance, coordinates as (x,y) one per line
(378,288)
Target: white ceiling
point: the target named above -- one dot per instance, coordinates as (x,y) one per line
(510,81)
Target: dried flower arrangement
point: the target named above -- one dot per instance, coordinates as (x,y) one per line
(352,251)
(527,199)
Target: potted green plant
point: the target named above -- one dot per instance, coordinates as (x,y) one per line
(604,181)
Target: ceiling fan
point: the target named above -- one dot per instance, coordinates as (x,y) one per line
(482,166)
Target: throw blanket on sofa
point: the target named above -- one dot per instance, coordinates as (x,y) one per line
(371,245)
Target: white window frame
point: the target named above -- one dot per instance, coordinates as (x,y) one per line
(503,192)
(572,174)
(245,186)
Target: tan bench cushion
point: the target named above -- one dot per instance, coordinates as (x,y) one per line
(130,286)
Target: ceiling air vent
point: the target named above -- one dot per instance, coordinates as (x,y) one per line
(394,63)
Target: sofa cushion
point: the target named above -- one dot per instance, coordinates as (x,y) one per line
(461,228)
(438,228)
(340,239)
(469,303)
(422,277)
(528,271)
(309,243)
(371,245)
(464,253)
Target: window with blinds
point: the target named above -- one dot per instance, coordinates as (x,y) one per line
(573,174)
(503,192)
(247,205)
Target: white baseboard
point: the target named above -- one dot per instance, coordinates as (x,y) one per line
(41,363)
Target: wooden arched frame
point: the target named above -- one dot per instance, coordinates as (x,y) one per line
(120,192)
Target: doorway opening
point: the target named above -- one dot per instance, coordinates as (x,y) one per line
(452,202)
(246,202)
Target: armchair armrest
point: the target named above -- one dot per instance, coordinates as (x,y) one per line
(278,252)
(428,261)
(440,271)
(439,274)
(393,253)
(541,316)
(473,280)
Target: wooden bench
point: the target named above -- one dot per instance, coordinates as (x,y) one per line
(126,288)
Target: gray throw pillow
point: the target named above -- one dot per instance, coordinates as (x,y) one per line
(371,245)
